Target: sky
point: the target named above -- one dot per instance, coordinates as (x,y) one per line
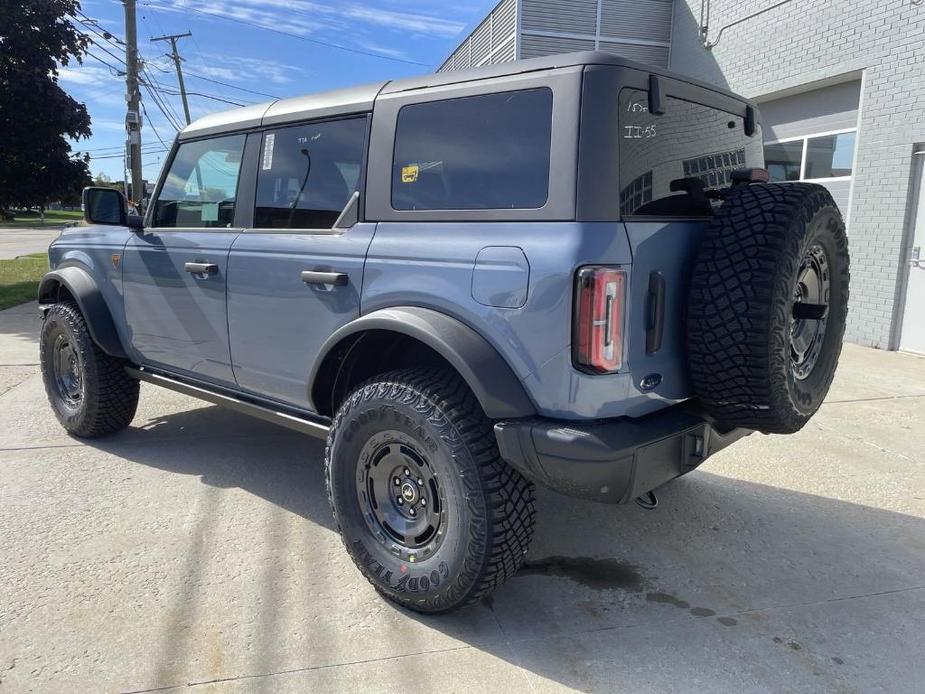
(279,48)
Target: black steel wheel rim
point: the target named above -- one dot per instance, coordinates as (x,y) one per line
(400,495)
(65,366)
(810,312)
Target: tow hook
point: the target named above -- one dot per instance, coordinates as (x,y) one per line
(647,501)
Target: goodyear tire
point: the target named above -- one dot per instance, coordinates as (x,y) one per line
(89,390)
(427,509)
(767,306)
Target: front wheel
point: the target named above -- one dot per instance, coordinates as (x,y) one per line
(88,390)
(427,509)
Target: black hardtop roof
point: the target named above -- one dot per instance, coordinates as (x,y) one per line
(362,97)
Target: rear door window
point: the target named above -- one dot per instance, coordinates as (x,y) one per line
(689,141)
(201,186)
(474,153)
(308,172)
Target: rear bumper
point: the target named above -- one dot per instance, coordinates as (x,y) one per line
(614,461)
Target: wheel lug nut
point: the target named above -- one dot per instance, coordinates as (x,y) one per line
(423,502)
(396,481)
(411,511)
(420,482)
(407,472)
(401,502)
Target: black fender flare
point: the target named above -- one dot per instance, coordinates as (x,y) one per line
(81,285)
(488,375)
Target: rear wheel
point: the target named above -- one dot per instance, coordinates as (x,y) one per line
(88,390)
(427,509)
(768,305)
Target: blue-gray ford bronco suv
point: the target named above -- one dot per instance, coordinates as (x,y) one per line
(570,271)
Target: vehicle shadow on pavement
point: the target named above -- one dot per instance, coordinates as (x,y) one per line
(743,570)
(227,449)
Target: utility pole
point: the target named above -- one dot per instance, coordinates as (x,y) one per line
(177,60)
(133,99)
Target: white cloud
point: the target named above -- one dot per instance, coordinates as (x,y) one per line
(416,23)
(236,68)
(305,18)
(84,74)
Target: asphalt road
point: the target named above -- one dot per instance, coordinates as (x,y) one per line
(196,550)
(16,242)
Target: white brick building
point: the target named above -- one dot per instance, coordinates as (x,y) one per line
(841,85)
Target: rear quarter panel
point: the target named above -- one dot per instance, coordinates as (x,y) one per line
(432,265)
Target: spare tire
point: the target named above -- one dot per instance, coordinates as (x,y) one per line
(767,306)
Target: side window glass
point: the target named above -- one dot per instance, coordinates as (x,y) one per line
(201,186)
(474,153)
(308,173)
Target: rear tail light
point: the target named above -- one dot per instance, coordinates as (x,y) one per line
(600,296)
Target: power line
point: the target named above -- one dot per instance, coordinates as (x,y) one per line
(226,84)
(153,84)
(117,72)
(358,51)
(160,105)
(151,123)
(168,90)
(122,156)
(105,50)
(93,26)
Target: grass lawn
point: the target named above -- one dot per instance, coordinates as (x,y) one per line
(19,278)
(34,219)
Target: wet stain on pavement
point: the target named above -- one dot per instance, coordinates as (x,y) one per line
(702,612)
(667,599)
(837,660)
(600,574)
(794,646)
(727,621)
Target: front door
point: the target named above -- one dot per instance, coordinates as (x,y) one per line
(174,272)
(913,326)
(293,279)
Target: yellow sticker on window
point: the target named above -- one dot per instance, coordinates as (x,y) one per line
(409,174)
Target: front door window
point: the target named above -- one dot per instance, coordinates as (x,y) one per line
(201,187)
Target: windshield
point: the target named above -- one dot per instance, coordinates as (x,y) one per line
(689,141)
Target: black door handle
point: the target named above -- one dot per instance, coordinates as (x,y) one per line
(338,279)
(201,268)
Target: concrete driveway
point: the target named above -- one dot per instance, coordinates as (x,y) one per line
(16,242)
(196,550)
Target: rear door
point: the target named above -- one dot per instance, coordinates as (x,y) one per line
(174,271)
(293,279)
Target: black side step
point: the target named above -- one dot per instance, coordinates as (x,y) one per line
(313,427)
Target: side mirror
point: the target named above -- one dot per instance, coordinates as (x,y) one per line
(135,222)
(104,206)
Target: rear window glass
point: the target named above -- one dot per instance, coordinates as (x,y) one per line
(688,141)
(479,152)
(308,173)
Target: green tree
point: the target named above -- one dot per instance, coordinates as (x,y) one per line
(36,115)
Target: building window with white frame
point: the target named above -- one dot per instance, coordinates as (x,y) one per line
(820,157)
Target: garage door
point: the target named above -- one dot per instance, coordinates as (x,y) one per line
(812,136)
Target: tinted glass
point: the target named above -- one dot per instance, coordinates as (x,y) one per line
(308,173)
(479,152)
(783,160)
(829,156)
(201,186)
(695,146)
(104,206)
